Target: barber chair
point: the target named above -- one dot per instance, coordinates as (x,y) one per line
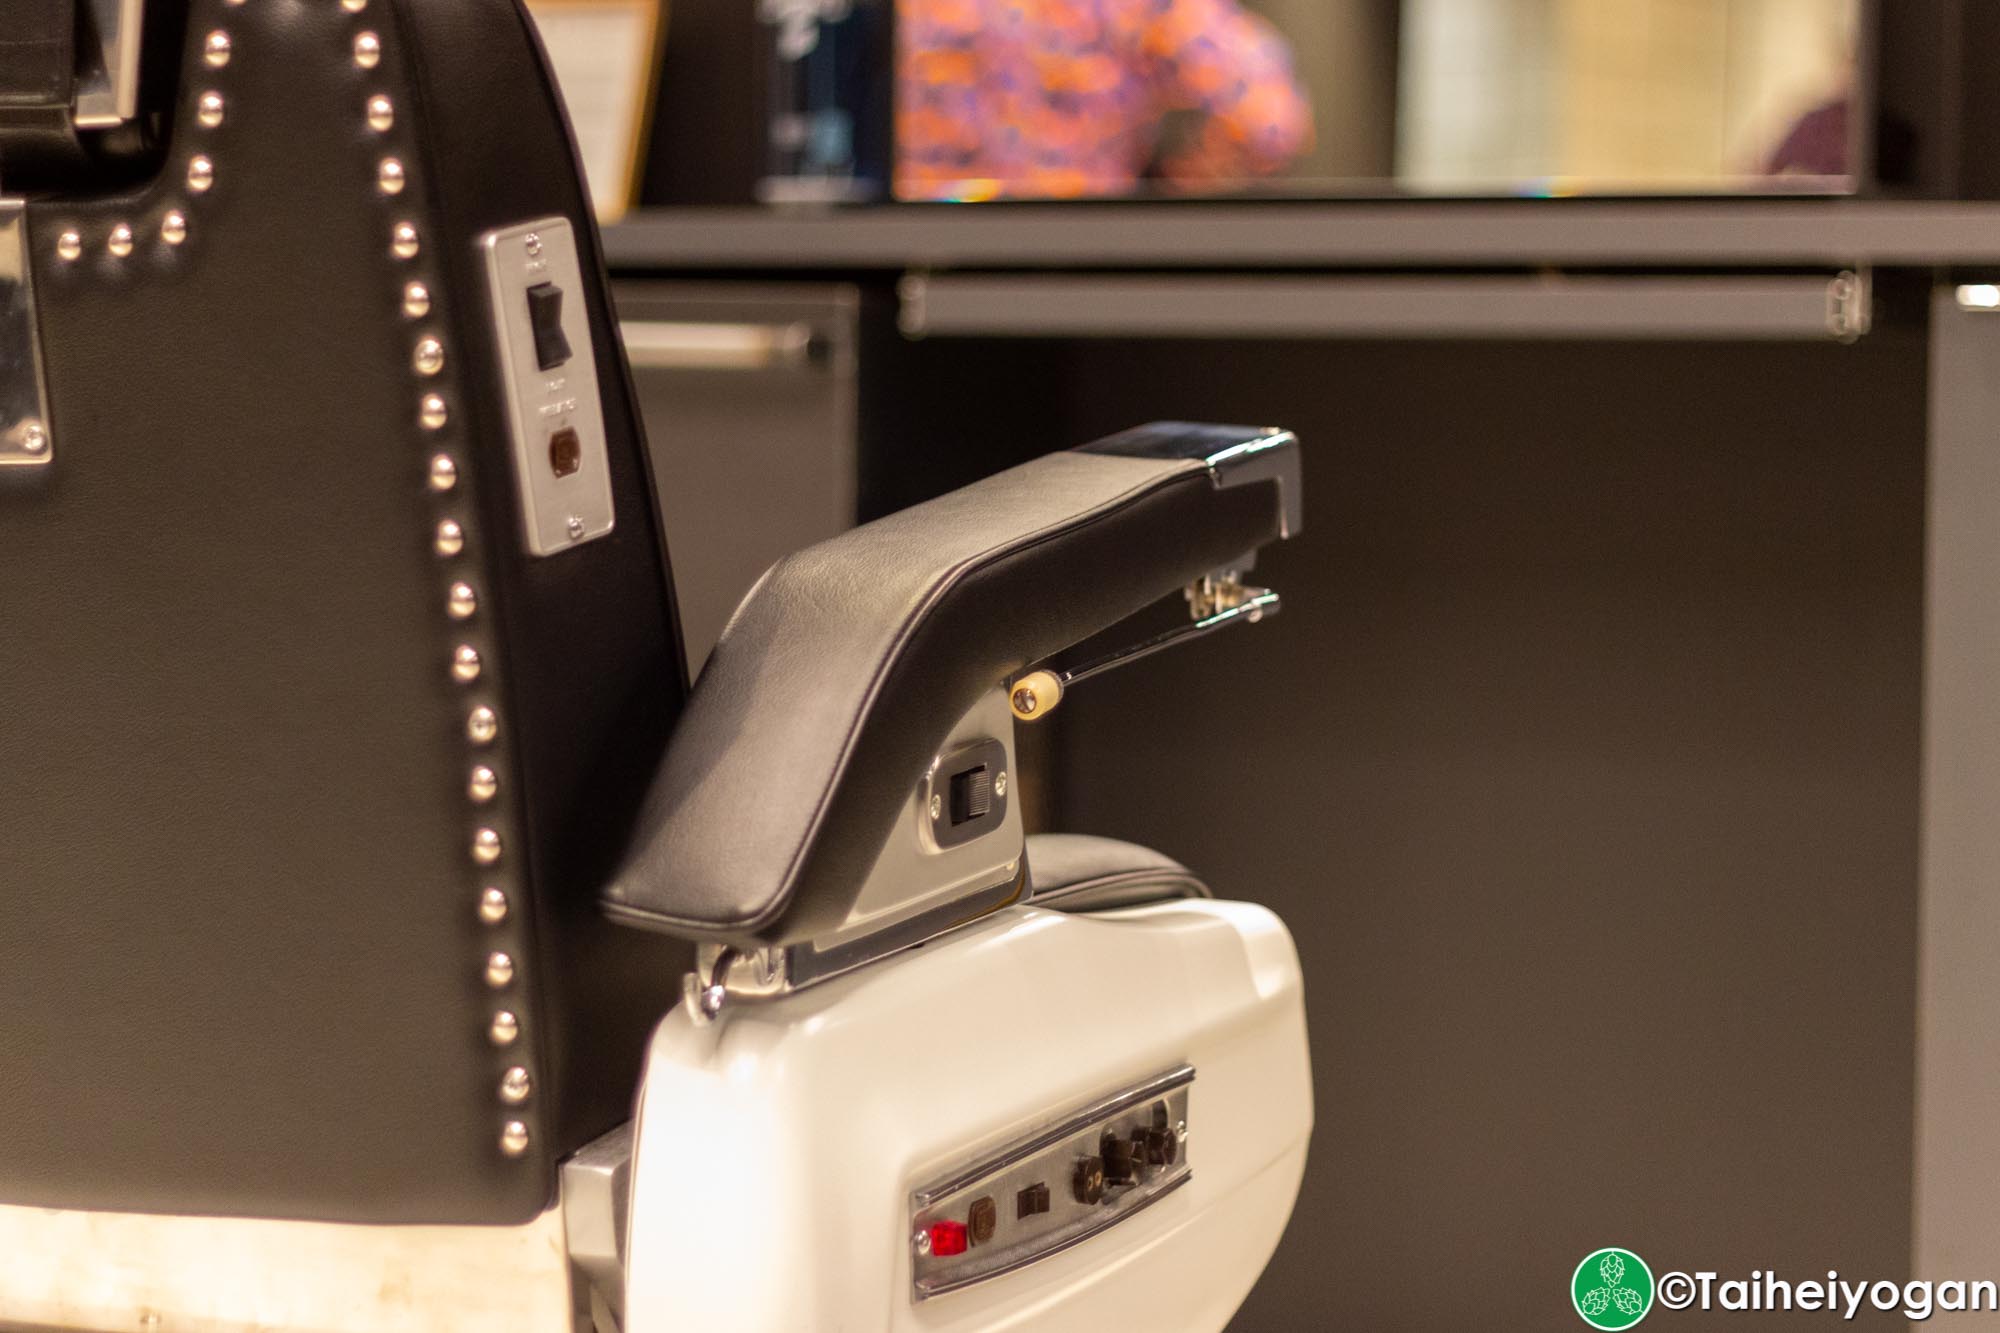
(390,939)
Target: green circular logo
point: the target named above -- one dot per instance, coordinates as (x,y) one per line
(1612,1289)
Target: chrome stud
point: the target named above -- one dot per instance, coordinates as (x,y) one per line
(215,50)
(367,50)
(514,1138)
(462,602)
(481,726)
(503,1029)
(120,243)
(209,109)
(381,113)
(354,6)
(515,1086)
(465,664)
(432,413)
(444,473)
(499,970)
(492,907)
(174,228)
(416,300)
(484,785)
(201,173)
(389,176)
(69,247)
(486,846)
(429,357)
(403,242)
(450,538)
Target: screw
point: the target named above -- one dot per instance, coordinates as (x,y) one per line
(1025,701)
(922,1241)
(34,439)
(575,528)
(534,243)
(1000,783)
(937,805)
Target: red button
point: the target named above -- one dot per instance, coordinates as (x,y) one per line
(947,1238)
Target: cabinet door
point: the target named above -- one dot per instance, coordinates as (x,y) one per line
(748,395)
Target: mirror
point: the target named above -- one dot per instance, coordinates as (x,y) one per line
(1057,99)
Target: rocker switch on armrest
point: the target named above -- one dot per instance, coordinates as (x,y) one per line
(545,303)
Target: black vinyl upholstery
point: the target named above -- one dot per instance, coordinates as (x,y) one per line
(241,966)
(1077,872)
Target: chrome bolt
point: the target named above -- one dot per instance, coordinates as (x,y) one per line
(514,1138)
(209,109)
(381,113)
(492,906)
(484,784)
(120,243)
(533,242)
(465,664)
(482,726)
(416,300)
(215,50)
(367,50)
(174,227)
(432,412)
(575,528)
(389,177)
(429,356)
(444,473)
(69,246)
(503,1029)
(922,1242)
(403,241)
(201,173)
(499,970)
(515,1086)
(462,601)
(34,439)
(450,538)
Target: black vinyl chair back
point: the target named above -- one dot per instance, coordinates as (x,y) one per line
(311,770)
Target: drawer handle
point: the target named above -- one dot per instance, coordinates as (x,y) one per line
(652,344)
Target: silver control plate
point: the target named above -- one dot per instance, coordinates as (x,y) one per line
(555,415)
(1053,1189)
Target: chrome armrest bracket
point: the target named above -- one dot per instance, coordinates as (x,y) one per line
(25,439)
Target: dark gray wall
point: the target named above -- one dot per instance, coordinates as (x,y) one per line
(1583,765)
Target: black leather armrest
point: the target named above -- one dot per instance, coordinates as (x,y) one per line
(1079,873)
(848,664)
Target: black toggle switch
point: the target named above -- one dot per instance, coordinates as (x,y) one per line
(971,795)
(545,304)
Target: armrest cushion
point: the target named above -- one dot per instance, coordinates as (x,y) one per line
(849,662)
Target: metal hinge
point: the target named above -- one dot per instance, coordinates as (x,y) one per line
(1850,304)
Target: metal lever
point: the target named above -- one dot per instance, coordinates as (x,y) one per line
(1215,602)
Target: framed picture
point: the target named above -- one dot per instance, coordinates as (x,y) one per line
(606,55)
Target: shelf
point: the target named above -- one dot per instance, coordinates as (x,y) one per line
(1816,233)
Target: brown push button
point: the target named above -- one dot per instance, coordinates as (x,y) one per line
(983,1220)
(565,452)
